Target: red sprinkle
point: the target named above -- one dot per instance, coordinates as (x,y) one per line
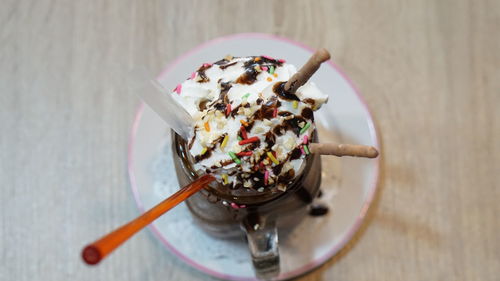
(244,153)
(268,57)
(178,89)
(282,60)
(275,112)
(228,109)
(234,206)
(261,165)
(249,140)
(243,132)
(207,65)
(306,139)
(302,150)
(266,177)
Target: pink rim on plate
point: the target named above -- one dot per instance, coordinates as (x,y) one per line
(290,274)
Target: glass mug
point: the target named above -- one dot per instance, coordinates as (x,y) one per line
(226,213)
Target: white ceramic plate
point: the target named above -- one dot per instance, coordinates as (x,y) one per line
(348,184)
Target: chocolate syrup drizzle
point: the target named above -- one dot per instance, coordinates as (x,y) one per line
(201,72)
(266,111)
(317,210)
(279,89)
(251,69)
(228,65)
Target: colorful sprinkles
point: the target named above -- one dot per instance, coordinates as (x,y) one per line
(244,153)
(306,149)
(225,179)
(234,157)
(249,140)
(224,142)
(228,109)
(271,156)
(245,96)
(244,123)
(207,127)
(305,128)
(178,89)
(203,151)
(295,104)
(243,132)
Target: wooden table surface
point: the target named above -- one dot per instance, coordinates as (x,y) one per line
(429,70)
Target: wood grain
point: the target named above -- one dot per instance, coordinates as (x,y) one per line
(429,70)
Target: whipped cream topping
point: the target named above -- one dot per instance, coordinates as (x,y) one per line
(248,131)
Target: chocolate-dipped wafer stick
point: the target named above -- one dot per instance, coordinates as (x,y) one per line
(301,77)
(343,150)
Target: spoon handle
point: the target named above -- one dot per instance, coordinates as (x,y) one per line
(95,252)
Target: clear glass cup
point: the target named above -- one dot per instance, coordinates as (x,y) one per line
(263,214)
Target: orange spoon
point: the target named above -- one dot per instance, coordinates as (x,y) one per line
(95,252)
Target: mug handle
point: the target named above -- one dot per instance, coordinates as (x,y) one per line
(262,236)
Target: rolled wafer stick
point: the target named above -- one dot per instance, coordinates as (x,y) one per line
(303,75)
(343,150)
